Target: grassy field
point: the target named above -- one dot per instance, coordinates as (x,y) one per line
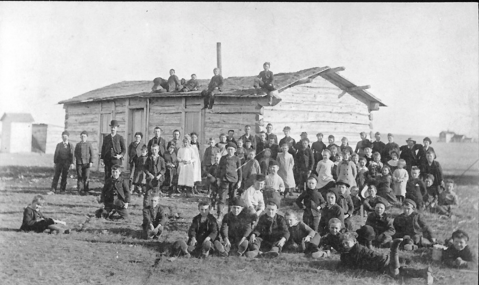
(111,252)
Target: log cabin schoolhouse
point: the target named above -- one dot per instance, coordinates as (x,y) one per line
(312,100)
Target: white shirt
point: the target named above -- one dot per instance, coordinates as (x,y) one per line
(253,198)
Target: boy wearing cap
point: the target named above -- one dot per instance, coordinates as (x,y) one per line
(304,162)
(311,202)
(113,149)
(289,140)
(63,159)
(273,180)
(265,80)
(356,256)
(331,210)
(230,174)
(84,161)
(171,163)
(253,196)
(302,238)
(236,227)
(154,219)
(411,226)
(270,234)
(459,254)
(202,234)
(115,195)
(34,220)
(380,225)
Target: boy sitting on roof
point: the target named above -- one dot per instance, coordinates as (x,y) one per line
(264,82)
(191,85)
(215,85)
(172,84)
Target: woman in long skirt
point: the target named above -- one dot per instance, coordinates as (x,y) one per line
(186,159)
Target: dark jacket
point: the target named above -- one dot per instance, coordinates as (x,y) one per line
(266,76)
(318,148)
(467,254)
(291,143)
(309,200)
(192,84)
(347,148)
(230,169)
(381,225)
(236,227)
(34,220)
(304,159)
(115,144)
(411,225)
(209,155)
(435,170)
(216,82)
(83,153)
(274,150)
(416,191)
(410,154)
(346,204)
(251,137)
(134,150)
(360,257)
(379,146)
(115,187)
(155,167)
(62,154)
(329,241)
(300,231)
(327,213)
(211,229)
(154,216)
(271,229)
(160,142)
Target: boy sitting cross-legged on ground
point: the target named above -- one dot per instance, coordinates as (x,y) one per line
(34,220)
(313,201)
(410,226)
(379,228)
(270,233)
(201,234)
(154,219)
(302,238)
(356,256)
(235,229)
(459,254)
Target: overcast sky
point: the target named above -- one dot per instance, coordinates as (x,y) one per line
(420,59)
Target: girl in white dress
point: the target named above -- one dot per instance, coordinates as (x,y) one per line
(197,163)
(324,169)
(286,164)
(186,158)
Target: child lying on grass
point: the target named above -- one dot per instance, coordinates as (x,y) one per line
(34,220)
(459,254)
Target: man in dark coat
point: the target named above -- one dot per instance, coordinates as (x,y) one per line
(270,234)
(113,149)
(157,139)
(154,219)
(409,153)
(84,161)
(378,145)
(63,159)
(115,195)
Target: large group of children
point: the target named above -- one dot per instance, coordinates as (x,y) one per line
(247,178)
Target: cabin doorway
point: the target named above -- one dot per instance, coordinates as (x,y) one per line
(193,123)
(136,123)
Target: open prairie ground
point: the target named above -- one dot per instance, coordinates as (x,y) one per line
(112,252)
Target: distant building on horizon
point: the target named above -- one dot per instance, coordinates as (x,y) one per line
(16,132)
(45,137)
(448,137)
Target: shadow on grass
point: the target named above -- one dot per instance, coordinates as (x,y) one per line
(11,213)
(71,205)
(25,190)
(9,230)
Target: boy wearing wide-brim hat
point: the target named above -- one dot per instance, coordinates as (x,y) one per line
(411,226)
(236,227)
(113,149)
(270,234)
